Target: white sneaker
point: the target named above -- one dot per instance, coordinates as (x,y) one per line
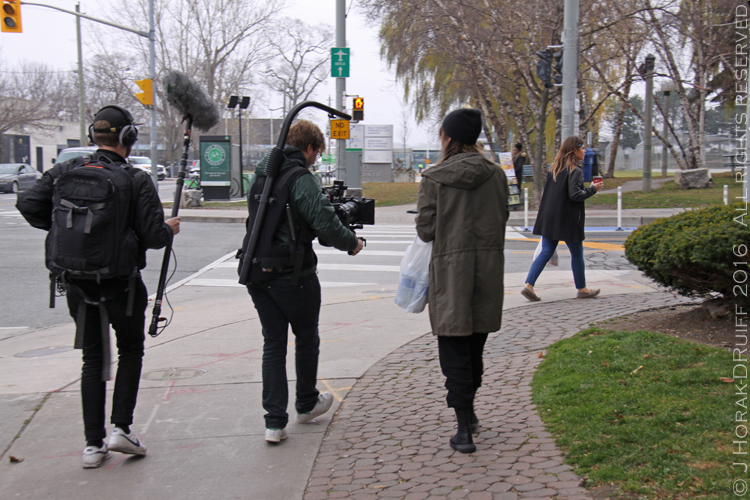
(325,400)
(275,435)
(125,443)
(94,457)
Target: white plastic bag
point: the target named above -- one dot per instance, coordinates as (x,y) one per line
(411,295)
(554,261)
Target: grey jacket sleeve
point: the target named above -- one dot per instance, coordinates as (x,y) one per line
(426,209)
(318,212)
(576,191)
(148,214)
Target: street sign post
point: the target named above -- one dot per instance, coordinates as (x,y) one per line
(339,129)
(340,62)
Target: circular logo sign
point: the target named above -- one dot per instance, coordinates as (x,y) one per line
(215,155)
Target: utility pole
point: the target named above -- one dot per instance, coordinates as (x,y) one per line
(81,93)
(570,68)
(341,88)
(152,67)
(647,71)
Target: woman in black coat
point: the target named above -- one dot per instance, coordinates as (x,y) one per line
(561,216)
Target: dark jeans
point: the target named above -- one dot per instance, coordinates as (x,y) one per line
(461,362)
(548,249)
(129,331)
(279,304)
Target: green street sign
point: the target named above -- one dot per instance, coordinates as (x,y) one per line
(340,62)
(328,158)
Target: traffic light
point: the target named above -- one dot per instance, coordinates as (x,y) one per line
(544,67)
(358,113)
(147,96)
(11,16)
(558,66)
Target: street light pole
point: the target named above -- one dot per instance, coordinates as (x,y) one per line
(341,89)
(570,68)
(81,93)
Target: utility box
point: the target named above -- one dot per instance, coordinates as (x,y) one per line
(216,161)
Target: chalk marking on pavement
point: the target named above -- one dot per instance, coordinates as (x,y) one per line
(144,427)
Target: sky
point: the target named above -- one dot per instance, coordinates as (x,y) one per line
(49,37)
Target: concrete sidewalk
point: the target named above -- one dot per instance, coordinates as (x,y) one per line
(199,411)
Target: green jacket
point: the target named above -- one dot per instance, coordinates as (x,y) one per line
(308,202)
(462,207)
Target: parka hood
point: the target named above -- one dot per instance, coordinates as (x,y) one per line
(463,171)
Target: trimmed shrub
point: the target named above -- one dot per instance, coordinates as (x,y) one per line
(697,253)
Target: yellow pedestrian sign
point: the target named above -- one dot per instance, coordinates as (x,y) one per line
(339,129)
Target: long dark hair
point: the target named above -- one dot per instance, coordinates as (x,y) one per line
(454,147)
(566,155)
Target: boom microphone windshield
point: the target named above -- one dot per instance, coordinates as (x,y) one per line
(191,100)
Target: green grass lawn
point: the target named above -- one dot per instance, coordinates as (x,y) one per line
(388,194)
(670,195)
(643,411)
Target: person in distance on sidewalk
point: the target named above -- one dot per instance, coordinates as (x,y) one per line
(462,207)
(562,215)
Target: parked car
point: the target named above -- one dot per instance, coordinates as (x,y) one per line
(17,176)
(68,153)
(326,169)
(144,163)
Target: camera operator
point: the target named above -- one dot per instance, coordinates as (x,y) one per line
(290,294)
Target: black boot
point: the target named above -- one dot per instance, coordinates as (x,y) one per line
(473,422)
(462,441)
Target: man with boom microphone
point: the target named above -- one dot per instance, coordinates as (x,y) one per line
(283,282)
(102,215)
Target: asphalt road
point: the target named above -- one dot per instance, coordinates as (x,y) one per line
(24,293)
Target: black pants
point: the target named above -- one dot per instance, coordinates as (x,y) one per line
(462,365)
(129,331)
(279,304)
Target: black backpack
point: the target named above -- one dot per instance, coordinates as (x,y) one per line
(271,261)
(91,237)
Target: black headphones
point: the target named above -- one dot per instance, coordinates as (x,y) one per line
(128,133)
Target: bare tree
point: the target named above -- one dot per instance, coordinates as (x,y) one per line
(30,96)
(217,42)
(300,55)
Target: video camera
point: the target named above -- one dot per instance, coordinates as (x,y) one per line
(352,212)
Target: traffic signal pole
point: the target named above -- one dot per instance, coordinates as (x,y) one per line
(570,68)
(341,89)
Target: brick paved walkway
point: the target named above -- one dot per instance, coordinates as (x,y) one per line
(389,438)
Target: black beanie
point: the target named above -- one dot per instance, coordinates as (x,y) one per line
(463,125)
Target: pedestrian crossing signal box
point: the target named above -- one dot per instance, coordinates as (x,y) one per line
(358,111)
